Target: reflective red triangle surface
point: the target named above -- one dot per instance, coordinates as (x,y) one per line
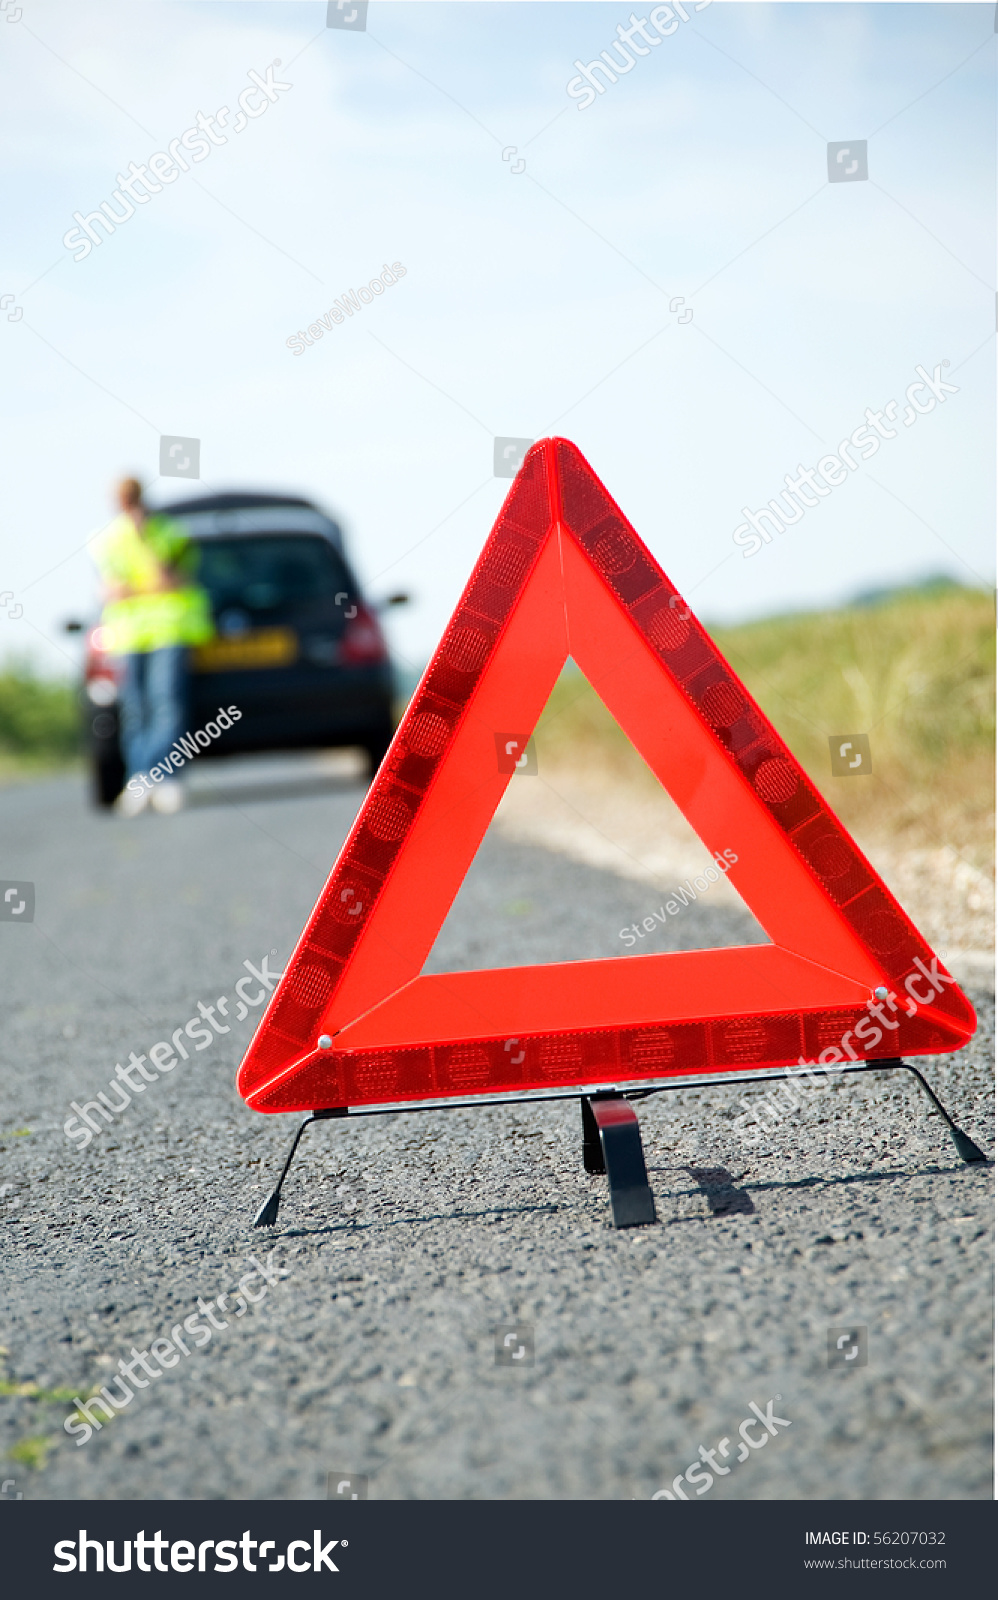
(563,573)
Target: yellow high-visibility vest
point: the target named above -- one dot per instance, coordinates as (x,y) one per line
(150,619)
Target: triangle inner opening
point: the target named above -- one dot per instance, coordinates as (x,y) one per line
(587,857)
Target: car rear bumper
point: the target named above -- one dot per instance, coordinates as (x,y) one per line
(300,707)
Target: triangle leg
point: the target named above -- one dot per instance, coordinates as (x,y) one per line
(266,1217)
(966,1148)
(592,1148)
(631,1201)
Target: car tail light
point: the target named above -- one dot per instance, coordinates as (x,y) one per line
(362,640)
(103,691)
(101,671)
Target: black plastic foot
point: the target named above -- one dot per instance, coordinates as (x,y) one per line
(966,1146)
(267,1214)
(612,1144)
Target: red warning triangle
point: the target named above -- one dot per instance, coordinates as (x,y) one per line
(564,574)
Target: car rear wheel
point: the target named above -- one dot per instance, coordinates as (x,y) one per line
(375,748)
(107,779)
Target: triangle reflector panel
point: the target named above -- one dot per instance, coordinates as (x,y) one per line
(563,573)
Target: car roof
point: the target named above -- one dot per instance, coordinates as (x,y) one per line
(212,515)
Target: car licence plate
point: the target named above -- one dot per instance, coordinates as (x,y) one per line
(267,647)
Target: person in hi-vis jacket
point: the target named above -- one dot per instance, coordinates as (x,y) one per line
(154,612)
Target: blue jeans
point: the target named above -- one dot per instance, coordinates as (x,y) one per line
(153,709)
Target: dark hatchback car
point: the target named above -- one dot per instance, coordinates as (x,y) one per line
(297,648)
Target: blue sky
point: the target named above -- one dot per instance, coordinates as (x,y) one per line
(534,301)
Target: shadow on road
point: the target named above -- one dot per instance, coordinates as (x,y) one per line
(718,1185)
(398,1222)
(244,780)
(239,792)
(726,1200)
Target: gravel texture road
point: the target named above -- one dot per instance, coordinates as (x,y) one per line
(405,1242)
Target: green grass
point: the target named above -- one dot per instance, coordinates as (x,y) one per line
(33,1452)
(31,1391)
(914,671)
(39,719)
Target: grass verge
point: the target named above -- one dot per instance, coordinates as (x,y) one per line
(39,721)
(915,672)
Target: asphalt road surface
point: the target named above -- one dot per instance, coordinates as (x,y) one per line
(404,1243)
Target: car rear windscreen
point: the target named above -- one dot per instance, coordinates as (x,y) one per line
(269,572)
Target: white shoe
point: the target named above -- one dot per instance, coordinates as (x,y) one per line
(168,797)
(130,804)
